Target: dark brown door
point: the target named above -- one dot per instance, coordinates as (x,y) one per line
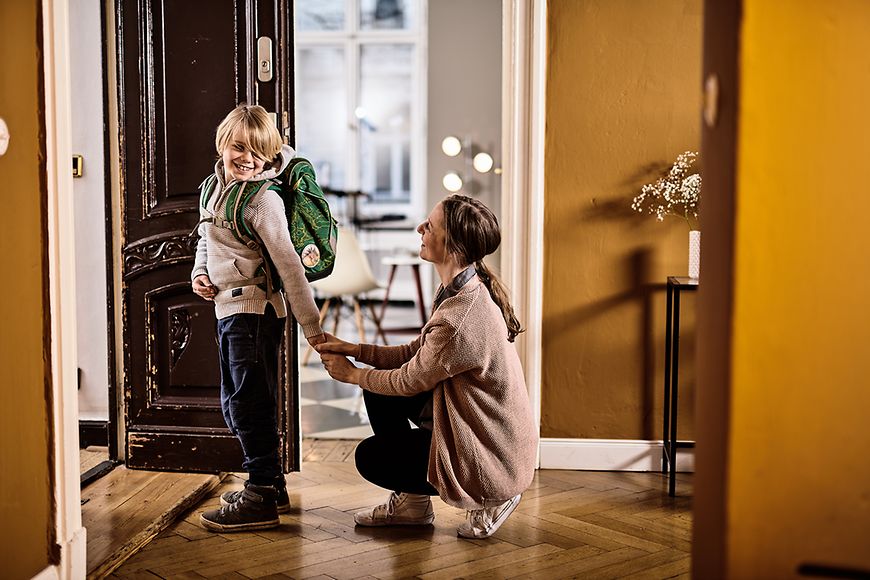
(182,66)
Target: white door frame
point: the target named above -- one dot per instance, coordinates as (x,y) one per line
(70,535)
(524,82)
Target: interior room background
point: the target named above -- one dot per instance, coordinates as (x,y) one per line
(373,105)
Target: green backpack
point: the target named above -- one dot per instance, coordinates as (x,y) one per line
(313,230)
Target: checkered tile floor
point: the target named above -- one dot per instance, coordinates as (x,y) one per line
(334,410)
(331,410)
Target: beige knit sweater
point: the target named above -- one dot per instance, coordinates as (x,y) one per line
(484,439)
(227,261)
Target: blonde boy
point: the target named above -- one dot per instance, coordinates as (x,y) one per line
(250,317)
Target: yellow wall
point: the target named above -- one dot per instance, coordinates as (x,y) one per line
(623,94)
(799,475)
(25,493)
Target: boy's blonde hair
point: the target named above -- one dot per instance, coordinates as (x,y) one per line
(251,126)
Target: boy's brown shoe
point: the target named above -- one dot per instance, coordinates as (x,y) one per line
(283,500)
(255,509)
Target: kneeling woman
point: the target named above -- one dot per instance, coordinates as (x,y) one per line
(460,382)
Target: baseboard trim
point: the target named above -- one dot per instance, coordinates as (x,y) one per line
(93,433)
(73,559)
(610,455)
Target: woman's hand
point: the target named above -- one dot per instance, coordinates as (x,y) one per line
(203,287)
(341,369)
(316,339)
(337,346)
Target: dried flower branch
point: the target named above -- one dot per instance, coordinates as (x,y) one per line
(677,193)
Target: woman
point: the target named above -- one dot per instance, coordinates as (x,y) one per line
(460,382)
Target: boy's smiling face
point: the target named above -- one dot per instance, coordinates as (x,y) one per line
(240,163)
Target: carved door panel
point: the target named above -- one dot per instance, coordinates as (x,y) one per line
(182,66)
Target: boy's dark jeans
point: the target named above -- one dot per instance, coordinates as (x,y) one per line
(249,346)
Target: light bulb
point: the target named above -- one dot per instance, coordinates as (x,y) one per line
(451,146)
(482,162)
(452,182)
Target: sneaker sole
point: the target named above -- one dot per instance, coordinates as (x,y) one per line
(215,527)
(282,509)
(383,524)
(496,524)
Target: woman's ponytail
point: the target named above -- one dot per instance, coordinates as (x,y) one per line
(499,295)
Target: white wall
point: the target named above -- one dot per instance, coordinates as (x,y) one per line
(465,44)
(89,190)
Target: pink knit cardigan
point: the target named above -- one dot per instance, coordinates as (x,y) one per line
(484,439)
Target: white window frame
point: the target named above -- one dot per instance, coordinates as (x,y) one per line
(351,39)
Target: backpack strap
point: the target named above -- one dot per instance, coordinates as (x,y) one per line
(205,190)
(235,215)
(235,222)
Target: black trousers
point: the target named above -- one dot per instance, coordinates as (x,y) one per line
(249,347)
(396,457)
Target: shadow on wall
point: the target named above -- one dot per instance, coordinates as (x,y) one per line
(619,207)
(637,268)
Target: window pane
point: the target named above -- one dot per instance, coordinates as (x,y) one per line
(321,121)
(320,14)
(384,116)
(387,14)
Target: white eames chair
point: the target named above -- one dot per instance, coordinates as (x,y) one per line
(350,279)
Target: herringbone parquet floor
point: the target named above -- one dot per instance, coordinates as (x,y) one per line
(570,524)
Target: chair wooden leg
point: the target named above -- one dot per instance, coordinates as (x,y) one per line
(338,306)
(387,291)
(324,310)
(377,321)
(359,320)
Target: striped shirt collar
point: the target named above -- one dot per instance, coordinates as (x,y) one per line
(454,287)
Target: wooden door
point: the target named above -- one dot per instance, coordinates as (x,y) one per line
(182,66)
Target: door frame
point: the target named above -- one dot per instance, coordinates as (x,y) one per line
(70,560)
(115,212)
(524,86)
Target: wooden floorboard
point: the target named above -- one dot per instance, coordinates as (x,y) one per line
(91,457)
(570,524)
(125,509)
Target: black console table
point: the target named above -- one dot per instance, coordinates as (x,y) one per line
(676,286)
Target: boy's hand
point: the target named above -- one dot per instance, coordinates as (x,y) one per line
(336,345)
(316,339)
(203,287)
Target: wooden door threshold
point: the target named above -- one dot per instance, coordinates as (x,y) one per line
(127,508)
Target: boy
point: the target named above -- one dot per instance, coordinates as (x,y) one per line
(250,318)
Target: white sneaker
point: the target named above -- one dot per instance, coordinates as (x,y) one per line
(402,509)
(484,522)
